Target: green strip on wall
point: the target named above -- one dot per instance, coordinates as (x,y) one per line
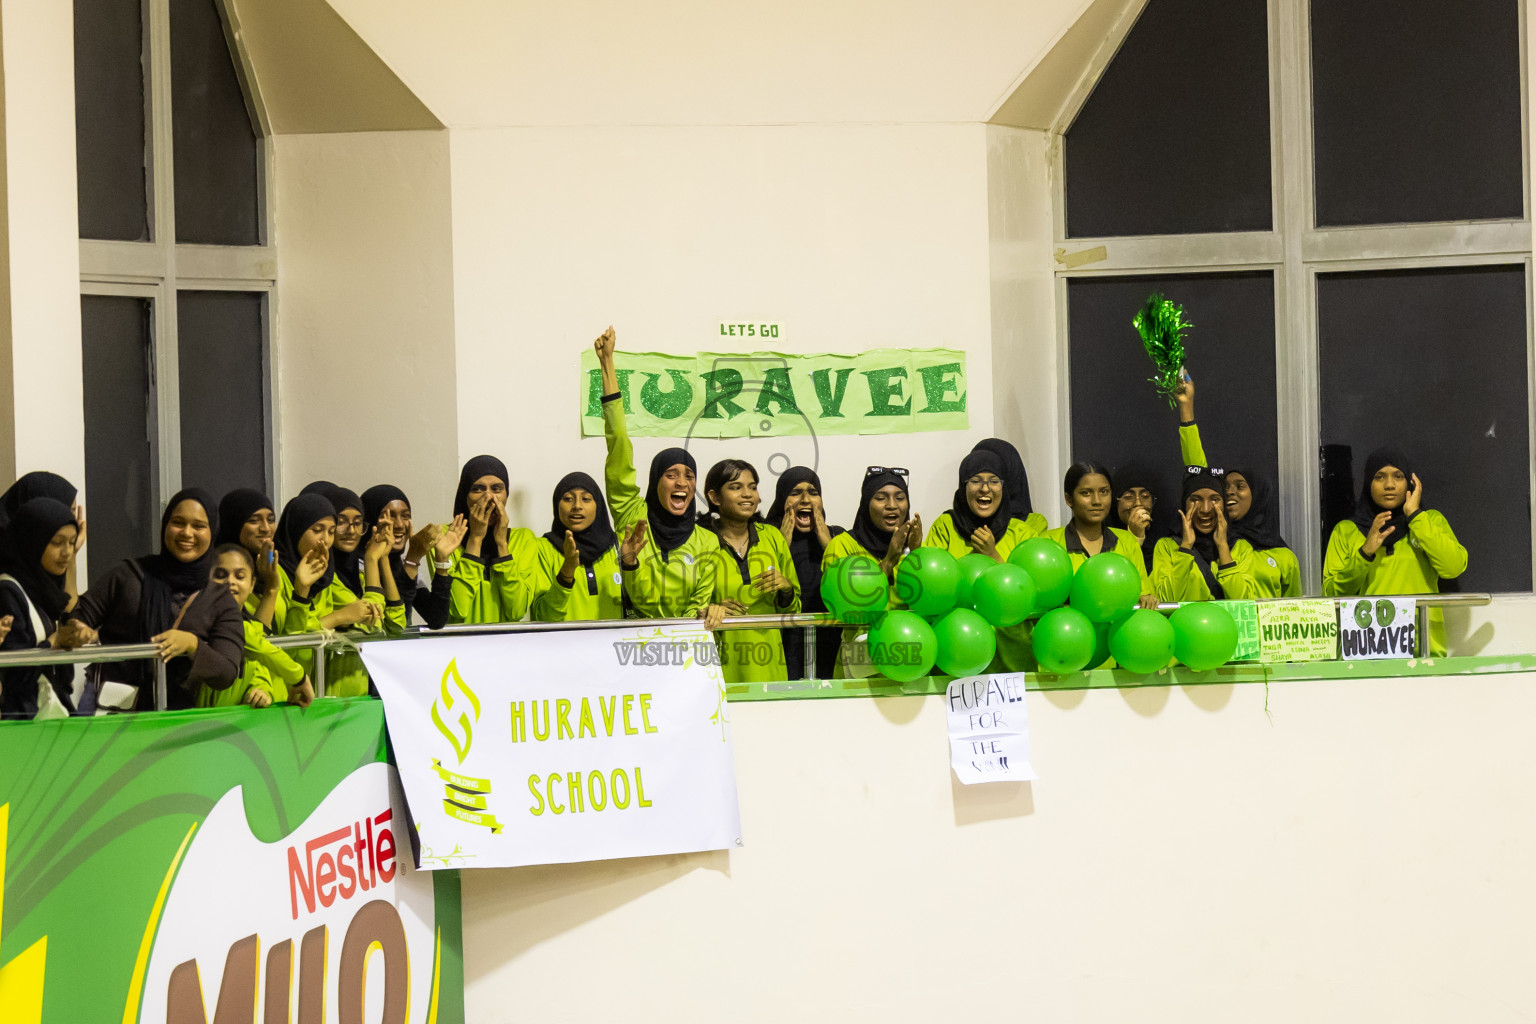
(1104,679)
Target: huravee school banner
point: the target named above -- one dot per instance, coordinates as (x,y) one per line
(547,748)
(776,394)
(217,866)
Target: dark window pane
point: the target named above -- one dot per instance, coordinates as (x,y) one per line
(215,145)
(1433,362)
(223,393)
(1417,110)
(1118,418)
(119,417)
(109,120)
(1175,137)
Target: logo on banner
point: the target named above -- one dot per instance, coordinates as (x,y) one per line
(298,918)
(464,796)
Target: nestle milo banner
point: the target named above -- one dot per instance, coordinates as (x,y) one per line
(547,748)
(768,394)
(225,865)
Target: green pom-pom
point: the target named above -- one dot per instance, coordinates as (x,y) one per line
(1161,325)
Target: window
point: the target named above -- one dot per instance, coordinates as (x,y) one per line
(173,173)
(1398,255)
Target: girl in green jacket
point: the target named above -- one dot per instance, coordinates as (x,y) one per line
(492,565)
(1089,496)
(667,577)
(981,518)
(387,505)
(268,675)
(1198,566)
(752,571)
(247,518)
(1364,553)
(1015,485)
(1266,565)
(305,532)
(883,529)
(578,568)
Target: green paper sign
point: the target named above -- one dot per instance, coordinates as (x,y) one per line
(778,394)
(1300,630)
(1246,615)
(180,866)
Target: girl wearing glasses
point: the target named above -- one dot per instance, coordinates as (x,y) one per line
(984,516)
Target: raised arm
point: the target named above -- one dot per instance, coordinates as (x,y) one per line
(624,498)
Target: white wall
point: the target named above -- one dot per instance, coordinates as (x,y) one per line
(365,332)
(1025,363)
(853,237)
(42,222)
(1361,853)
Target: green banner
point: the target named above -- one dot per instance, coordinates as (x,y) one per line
(775,394)
(213,866)
(1246,615)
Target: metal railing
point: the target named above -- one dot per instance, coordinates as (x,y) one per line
(101,654)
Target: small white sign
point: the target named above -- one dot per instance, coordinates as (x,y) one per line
(989,729)
(1372,629)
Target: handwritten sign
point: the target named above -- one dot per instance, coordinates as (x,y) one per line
(989,729)
(1300,630)
(1371,629)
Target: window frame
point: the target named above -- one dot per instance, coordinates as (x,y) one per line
(1296,251)
(160,268)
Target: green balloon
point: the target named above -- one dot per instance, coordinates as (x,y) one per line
(1204,635)
(971,566)
(926,581)
(903,646)
(1106,587)
(966,643)
(854,589)
(1064,640)
(1100,645)
(1004,594)
(1142,642)
(1049,566)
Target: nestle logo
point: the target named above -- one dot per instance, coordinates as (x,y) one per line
(342,863)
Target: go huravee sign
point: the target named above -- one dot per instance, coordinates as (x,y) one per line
(217,866)
(548,748)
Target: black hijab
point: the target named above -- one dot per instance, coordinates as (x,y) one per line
(1015,478)
(236,507)
(348,565)
(1366,509)
(968,522)
(1200,478)
(375,499)
(598,537)
(324,487)
(1261,526)
(31,529)
(870,537)
(474,469)
(168,581)
(298,516)
(37,484)
(806,547)
(668,532)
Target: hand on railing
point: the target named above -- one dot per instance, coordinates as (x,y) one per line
(71,634)
(302,695)
(714,614)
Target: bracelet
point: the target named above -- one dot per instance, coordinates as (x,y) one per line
(443,566)
(409,562)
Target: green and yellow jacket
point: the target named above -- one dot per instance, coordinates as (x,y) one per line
(1415,565)
(266,668)
(1270,572)
(942,534)
(670,585)
(597,593)
(495,589)
(754,655)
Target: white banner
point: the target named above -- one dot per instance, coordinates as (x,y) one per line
(1372,629)
(549,748)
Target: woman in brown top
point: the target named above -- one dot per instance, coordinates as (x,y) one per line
(164,599)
